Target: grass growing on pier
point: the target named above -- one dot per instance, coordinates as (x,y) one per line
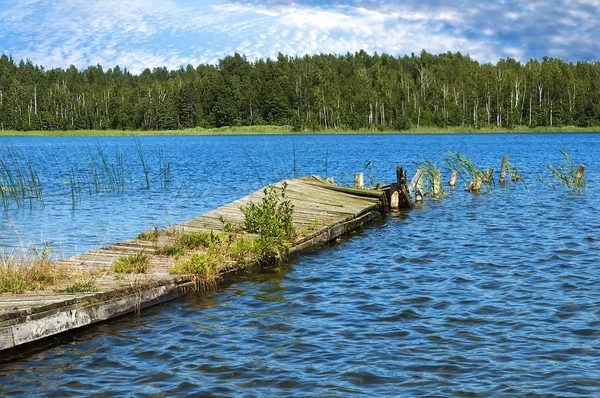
(151,235)
(137,263)
(174,250)
(18,276)
(82,286)
(23,271)
(196,240)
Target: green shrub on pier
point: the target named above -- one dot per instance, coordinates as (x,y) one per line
(272,219)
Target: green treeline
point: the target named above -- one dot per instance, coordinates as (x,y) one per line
(352,91)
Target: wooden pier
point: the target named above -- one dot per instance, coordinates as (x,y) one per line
(324,211)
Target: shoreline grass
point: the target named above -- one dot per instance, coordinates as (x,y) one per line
(287,130)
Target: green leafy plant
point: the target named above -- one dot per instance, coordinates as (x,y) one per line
(272,219)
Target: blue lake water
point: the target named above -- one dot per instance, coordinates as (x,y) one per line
(473,295)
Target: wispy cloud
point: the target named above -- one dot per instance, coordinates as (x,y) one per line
(148,33)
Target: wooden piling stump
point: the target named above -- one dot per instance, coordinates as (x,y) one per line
(452,181)
(579,174)
(418,178)
(359,180)
(404,199)
(437,184)
(503,169)
(488,175)
(420,190)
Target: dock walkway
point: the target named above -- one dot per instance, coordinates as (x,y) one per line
(324,211)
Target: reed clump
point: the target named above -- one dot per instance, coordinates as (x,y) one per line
(478,178)
(19,180)
(93,170)
(564,174)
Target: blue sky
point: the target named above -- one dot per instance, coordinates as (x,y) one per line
(149,33)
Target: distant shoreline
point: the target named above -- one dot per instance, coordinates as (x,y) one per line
(287,130)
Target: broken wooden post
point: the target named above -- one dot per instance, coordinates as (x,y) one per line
(452,181)
(420,191)
(404,199)
(437,184)
(503,169)
(417,185)
(579,175)
(395,201)
(359,180)
(415,181)
(488,175)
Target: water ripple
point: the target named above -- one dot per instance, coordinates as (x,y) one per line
(470,296)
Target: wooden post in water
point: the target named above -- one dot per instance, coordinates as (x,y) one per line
(417,185)
(395,201)
(404,199)
(437,184)
(452,181)
(503,169)
(475,185)
(415,181)
(488,175)
(579,175)
(420,192)
(359,180)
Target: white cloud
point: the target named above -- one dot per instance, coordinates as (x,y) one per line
(148,33)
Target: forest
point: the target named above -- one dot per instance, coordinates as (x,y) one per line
(314,92)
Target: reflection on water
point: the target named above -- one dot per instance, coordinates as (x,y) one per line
(473,295)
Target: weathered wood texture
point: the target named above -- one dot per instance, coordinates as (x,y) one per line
(503,169)
(404,199)
(324,210)
(452,181)
(579,175)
